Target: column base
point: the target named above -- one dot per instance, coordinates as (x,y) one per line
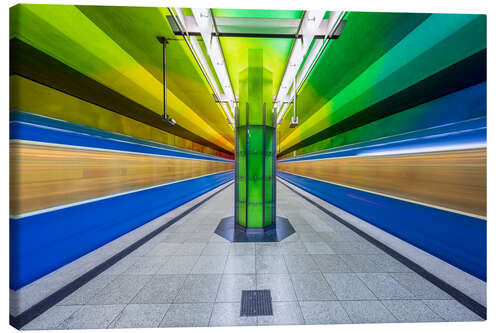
(234,232)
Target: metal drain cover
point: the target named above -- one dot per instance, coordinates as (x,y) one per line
(256,303)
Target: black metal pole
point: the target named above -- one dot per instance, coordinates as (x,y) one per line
(164,42)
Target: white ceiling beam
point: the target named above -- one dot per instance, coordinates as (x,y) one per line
(245,25)
(202,61)
(309,28)
(325,28)
(204,19)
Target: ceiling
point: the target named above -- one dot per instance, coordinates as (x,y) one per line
(117,47)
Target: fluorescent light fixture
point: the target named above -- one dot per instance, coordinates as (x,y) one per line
(312,26)
(204,21)
(309,27)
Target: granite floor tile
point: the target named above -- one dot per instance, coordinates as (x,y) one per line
(163,249)
(411,311)
(242,249)
(231,286)
(174,237)
(161,289)
(187,315)
(240,265)
(350,247)
(318,247)
(331,263)
(52,318)
(310,237)
(367,312)
(86,292)
(388,264)
(92,316)
(121,266)
(199,237)
(270,264)
(207,227)
(302,227)
(301,263)
(324,313)
(384,286)
(347,286)
(146,248)
(284,313)
(420,287)
(199,288)
(292,248)
(228,314)
(121,290)
(190,249)
(312,287)
(218,239)
(140,316)
(267,249)
(209,265)
(178,265)
(280,285)
(451,310)
(186,227)
(146,266)
(216,249)
(359,263)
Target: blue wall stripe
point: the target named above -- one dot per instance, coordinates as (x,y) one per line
(461,133)
(457,239)
(429,118)
(42,243)
(30,127)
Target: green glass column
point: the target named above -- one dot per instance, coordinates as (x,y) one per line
(255,199)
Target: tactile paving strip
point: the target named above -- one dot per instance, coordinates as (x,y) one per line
(256,303)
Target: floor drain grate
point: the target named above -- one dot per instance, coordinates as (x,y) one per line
(256,303)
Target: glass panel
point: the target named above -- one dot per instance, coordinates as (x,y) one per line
(255,216)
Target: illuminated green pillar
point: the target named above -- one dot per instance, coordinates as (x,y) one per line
(255,198)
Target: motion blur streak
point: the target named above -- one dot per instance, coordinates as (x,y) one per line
(455,180)
(45,176)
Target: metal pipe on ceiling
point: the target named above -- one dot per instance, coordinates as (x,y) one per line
(165,116)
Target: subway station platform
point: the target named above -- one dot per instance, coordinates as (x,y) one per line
(151,147)
(186,275)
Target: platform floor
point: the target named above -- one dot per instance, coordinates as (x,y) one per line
(189,276)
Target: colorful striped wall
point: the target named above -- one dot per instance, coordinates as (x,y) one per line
(75,188)
(453,180)
(385,64)
(33,97)
(45,176)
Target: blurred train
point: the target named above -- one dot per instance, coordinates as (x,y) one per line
(74,188)
(427,187)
